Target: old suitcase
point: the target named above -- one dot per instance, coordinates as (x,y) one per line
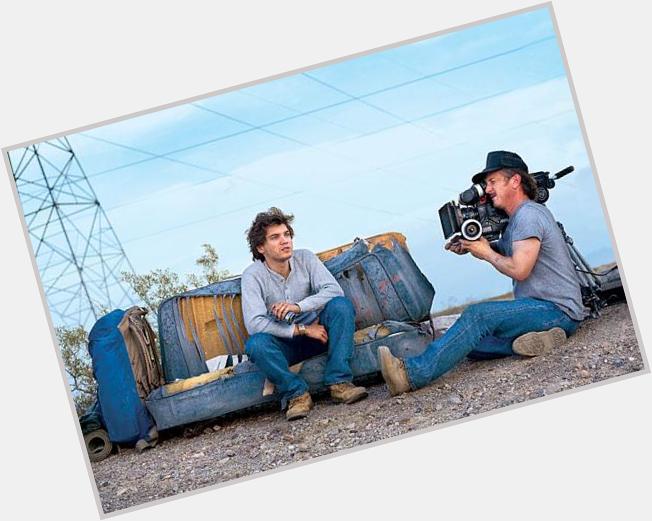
(381,279)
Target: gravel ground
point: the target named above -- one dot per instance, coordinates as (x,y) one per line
(253,442)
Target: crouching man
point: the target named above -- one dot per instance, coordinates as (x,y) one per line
(282,281)
(547,303)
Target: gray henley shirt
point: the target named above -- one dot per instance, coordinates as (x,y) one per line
(309,285)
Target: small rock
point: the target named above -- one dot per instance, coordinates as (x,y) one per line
(217,427)
(585,374)
(454,399)
(230,453)
(552,388)
(223,460)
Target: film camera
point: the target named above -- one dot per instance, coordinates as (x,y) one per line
(474,215)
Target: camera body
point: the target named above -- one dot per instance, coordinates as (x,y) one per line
(474,216)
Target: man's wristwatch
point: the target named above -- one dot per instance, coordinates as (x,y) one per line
(302,329)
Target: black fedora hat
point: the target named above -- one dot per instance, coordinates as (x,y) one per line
(497,160)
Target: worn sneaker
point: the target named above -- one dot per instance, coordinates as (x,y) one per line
(299,407)
(346,392)
(394,372)
(539,343)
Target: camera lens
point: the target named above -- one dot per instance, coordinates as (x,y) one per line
(542,194)
(472,195)
(471,230)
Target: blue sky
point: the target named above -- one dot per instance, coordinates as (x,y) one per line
(364,146)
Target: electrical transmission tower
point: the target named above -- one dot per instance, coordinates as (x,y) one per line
(77,252)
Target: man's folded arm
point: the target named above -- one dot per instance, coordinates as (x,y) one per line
(323,283)
(255,314)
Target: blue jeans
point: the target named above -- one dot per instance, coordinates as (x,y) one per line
(485,330)
(273,355)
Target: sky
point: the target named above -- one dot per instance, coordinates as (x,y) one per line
(367,145)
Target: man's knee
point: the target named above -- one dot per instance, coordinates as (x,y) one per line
(339,306)
(474,312)
(258,344)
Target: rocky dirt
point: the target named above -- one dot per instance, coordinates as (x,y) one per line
(253,442)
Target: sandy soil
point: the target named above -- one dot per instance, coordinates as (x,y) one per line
(253,442)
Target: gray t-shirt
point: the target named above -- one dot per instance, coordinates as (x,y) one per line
(553,277)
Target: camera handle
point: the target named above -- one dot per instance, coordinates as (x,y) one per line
(589,282)
(563,172)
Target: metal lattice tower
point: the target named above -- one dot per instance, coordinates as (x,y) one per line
(77,252)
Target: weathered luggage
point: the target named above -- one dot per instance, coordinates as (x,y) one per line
(381,279)
(392,301)
(123,411)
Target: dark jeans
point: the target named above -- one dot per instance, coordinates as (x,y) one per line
(485,330)
(273,355)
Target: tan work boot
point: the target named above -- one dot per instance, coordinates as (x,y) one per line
(299,407)
(394,372)
(536,344)
(346,392)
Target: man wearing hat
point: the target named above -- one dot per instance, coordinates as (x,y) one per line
(547,304)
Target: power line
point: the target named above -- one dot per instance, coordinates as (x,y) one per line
(304,113)
(381,169)
(319,109)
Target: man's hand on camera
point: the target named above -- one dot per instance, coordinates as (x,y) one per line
(318,332)
(480,248)
(280,309)
(455,246)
